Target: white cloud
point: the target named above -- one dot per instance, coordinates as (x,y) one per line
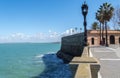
(18,36)
(37,37)
(54,35)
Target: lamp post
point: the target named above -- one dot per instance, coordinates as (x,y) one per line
(84,12)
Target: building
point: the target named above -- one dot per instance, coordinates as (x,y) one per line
(94,37)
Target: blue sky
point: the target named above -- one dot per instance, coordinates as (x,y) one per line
(38,20)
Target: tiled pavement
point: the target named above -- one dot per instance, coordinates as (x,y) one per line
(109,58)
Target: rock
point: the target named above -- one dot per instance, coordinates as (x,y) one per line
(65,57)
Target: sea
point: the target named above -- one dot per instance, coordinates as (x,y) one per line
(32,60)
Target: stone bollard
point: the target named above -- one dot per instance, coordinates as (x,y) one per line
(95,69)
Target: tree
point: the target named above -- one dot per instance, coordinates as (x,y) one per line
(80,30)
(95,26)
(107,15)
(116,18)
(99,17)
(103,15)
(76,29)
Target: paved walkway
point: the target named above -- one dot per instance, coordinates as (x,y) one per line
(109,58)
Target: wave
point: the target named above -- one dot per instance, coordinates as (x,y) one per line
(39,56)
(50,57)
(54,67)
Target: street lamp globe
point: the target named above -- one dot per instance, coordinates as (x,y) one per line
(84,9)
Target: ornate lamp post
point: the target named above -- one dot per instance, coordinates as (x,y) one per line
(84,12)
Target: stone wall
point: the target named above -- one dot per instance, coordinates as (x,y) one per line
(87,65)
(71,46)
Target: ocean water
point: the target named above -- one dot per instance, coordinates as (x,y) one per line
(32,60)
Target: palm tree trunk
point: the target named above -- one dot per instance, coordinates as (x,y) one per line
(106,34)
(100,33)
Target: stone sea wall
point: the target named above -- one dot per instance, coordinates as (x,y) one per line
(71,46)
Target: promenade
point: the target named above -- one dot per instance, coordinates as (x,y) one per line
(109,58)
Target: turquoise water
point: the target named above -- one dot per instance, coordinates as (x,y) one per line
(31,60)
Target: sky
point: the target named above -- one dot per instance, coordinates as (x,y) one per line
(44,20)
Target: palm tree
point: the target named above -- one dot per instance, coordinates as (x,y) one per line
(103,29)
(95,26)
(107,15)
(80,30)
(76,29)
(99,17)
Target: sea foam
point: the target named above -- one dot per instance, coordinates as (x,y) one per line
(54,67)
(39,56)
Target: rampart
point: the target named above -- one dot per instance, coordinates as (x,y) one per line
(78,56)
(71,46)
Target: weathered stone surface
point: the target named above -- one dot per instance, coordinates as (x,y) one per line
(65,57)
(95,67)
(78,60)
(84,60)
(83,71)
(71,46)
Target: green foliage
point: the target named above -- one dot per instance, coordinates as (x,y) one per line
(107,11)
(104,13)
(76,29)
(95,26)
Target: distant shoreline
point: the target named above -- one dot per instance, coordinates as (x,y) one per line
(29,42)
